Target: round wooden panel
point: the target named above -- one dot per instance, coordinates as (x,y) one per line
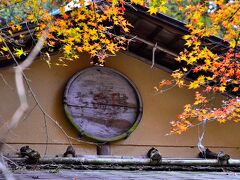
(102,104)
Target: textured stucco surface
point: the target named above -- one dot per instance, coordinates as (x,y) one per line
(158,109)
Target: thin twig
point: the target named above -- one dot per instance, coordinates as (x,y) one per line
(166,89)
(5,82)
(2,142)
(131,6)
(46,132)
(11,161)
(50,118)
(42,109)
(28,114)
(29,31)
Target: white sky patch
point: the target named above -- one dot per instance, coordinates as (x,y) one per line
(71,5)
(211,7)
(76,4)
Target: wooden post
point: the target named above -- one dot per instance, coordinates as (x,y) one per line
(154,156)
(103,149)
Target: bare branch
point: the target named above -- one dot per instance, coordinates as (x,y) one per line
(20,83)
(5,82)
(200,145)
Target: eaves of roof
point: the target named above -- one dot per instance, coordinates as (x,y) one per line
(163,32)
(159,31)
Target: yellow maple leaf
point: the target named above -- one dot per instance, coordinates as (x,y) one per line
(193,85)
(18,27)
(79,49)
(186,37)
(19,52)
(189,43)
(10,32)
(221,120)
(222,89)
(209,78)
(152,10)
(67,48)
(30,17)
(187,108)
(75,56)
(182,127)
(126,29)
(4,48)
(21,36)
(180,83)
(163,9)
(232,43)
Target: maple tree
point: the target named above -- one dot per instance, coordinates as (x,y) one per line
(215,71)
(95,27)
(99,27)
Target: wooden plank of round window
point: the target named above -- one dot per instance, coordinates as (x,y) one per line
(102,104)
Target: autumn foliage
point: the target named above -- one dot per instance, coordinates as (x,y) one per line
(215,65)
(99,27)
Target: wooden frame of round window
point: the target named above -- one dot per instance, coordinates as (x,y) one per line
(102,104)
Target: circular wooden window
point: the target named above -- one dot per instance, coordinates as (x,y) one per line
(102,104)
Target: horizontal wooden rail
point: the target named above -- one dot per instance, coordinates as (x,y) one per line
(119,160)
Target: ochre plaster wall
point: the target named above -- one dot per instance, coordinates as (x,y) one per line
(48,85)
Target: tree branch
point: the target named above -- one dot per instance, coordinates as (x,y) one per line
(18,114)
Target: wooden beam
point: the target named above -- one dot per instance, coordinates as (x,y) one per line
(154,33)
(153,45)
(104,149)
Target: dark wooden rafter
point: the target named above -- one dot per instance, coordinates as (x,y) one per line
(161,58)
(141,46)
(154,33)
(175,39)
